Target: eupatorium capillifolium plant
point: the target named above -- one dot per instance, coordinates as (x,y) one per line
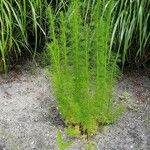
(83,69)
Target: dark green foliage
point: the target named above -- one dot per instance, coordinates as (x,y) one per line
(83,71)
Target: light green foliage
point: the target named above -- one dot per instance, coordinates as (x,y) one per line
(83,71)
(90,146)
(20,20)
(62,145)
(147,120)
(125,95)
(73,132)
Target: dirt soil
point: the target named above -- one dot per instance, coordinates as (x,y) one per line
(29,119)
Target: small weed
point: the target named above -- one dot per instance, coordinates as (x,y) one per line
(125,96)
(90,146)
(147,120)
(62,145)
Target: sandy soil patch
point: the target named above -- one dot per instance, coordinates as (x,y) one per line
(29,119)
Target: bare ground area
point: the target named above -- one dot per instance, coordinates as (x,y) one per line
(29,119)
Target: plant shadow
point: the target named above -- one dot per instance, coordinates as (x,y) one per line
(55,117)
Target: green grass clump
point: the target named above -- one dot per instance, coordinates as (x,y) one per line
(82,70)
(131,32)
(22,28)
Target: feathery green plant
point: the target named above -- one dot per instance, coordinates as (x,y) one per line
(82,72)
(21,21)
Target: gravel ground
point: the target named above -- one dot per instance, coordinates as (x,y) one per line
(29,119)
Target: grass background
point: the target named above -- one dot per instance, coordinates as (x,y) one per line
(23,29)
(23,25)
